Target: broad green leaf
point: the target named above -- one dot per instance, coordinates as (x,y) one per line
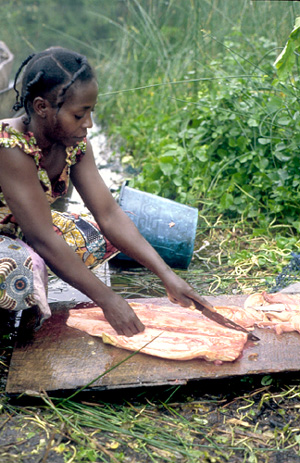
(167,169)
(167,159)
(235,131)
(242,143)
(177,180)
(245,157)
(280,146)
(263,141)
(252,123)
(274,103)
(284,121)
(232,142)
(263,163)
(226,200)
(285,61)
(174,152)
(266,380)
(281,156)
(201,155)
(283,175)
(296,225)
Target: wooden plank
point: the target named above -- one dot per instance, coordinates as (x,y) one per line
(61,358)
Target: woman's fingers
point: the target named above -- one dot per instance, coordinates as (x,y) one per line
(123,319)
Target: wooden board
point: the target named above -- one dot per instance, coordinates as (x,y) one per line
(62,358)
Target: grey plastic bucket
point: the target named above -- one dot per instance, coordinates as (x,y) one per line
(170,227)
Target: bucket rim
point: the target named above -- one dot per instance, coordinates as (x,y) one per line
(125,185)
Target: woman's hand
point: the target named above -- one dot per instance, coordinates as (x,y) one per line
(121,316)
(178,290)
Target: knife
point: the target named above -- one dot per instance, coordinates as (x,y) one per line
(209,311)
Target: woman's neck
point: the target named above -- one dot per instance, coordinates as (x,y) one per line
(38,132)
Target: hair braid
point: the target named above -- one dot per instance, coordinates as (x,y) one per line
(49,74)
(19,104)
(81,61)
(29,86)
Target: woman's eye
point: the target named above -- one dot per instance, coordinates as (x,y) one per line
(78,117)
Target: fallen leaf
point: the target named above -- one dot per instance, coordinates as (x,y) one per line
(240,422)
(112,445)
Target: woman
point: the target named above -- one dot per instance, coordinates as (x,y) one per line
(39,152)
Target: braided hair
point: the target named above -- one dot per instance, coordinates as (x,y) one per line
(49,74)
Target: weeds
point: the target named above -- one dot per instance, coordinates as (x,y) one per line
(208,428)
(217,132)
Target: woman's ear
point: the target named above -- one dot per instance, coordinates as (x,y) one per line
(40,106)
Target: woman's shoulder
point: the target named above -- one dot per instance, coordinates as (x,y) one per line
(13,136)
(13,124)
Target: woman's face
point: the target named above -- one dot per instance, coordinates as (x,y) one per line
(69,124)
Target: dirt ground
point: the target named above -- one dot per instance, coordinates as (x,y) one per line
(27,436)
(25,439)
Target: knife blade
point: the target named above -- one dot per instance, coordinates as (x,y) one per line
(209,311)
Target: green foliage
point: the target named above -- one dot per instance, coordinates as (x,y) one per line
(231,147)
(190,91)
(287,58)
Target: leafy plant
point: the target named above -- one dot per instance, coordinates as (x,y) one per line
(230,149)
(287,58)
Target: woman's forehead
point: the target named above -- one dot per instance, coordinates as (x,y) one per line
(82,94)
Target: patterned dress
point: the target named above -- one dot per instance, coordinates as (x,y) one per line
(23,273)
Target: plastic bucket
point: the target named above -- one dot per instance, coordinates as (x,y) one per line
(170,227)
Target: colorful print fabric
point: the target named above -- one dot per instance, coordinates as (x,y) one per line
(85,237)
(16,275)
(11,138)
(23,278)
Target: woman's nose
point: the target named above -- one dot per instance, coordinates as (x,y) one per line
(88,121)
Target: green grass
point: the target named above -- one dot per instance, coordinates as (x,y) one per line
(168,426)
(202,118)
